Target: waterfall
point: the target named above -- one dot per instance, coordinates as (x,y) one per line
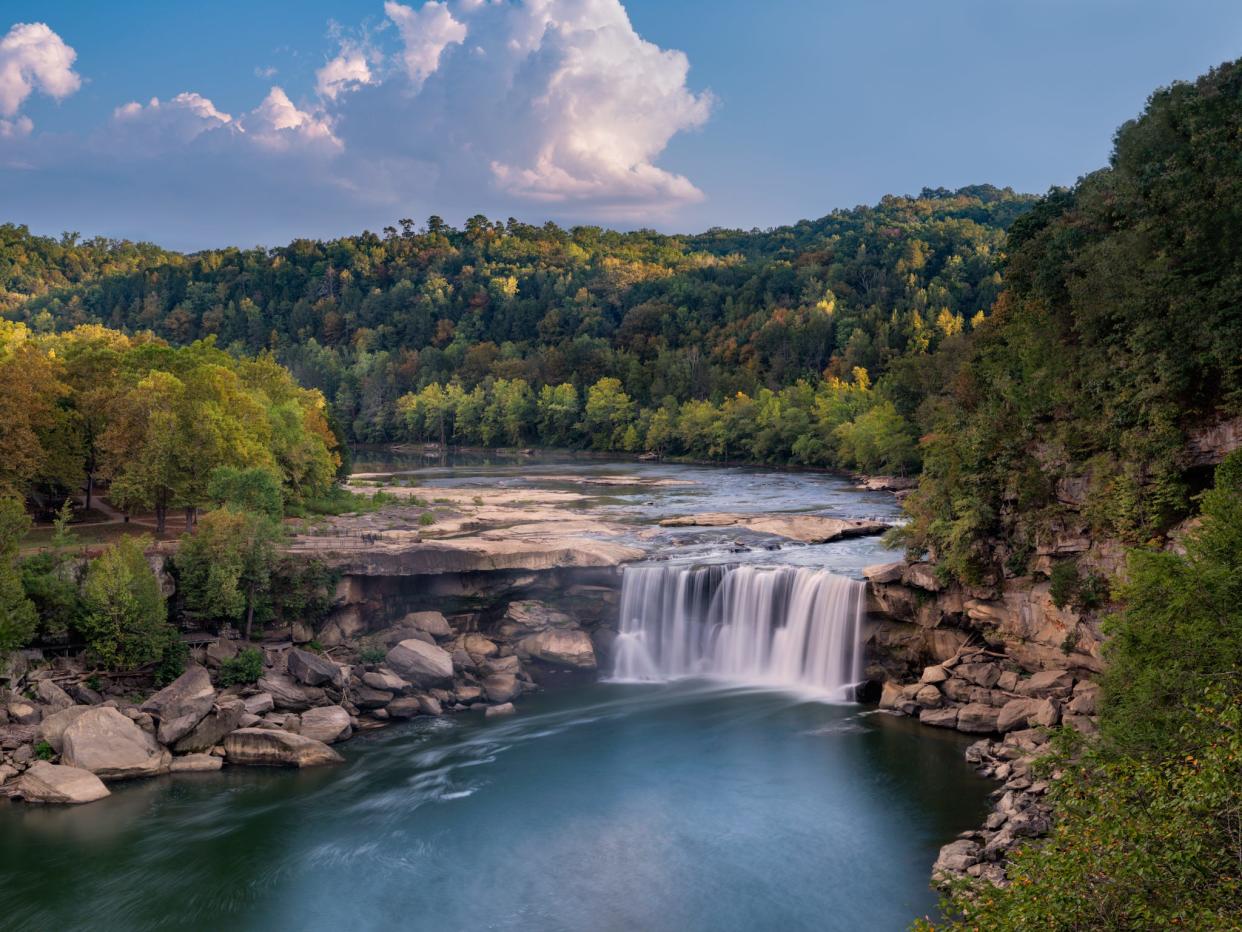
(780,626)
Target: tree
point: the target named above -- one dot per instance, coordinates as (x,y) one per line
(226,566)
(124,619)
(255,490)
(18,618)
(557,414)
(608,413)
(142,446)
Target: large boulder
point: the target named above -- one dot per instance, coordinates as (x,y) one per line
(405,707)
(977,718)
(432,623)
(225,716)
(285,692)
(112,747)
(425,665)
(329,724)
(560,648)
(57,783)
(314,670)
(477,646)
(383,680)
(52,695)
(23,713)
(259,703)
(501,687)
(196,763)
(267,747)
(52,728)
(1024,713)
(1048,684)
(181,704)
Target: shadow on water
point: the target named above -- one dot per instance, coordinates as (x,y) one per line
(683,806)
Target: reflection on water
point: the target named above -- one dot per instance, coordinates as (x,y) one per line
(601,807)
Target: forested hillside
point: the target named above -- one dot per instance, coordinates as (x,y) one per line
(525,320)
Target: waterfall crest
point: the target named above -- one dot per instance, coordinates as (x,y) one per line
(791,627)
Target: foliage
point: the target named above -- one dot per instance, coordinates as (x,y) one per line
(172,662)
(18,618)
(44,751)
(226,566)
(124,619)
(50,580)
(1064,583)
(255,490)
(243,669)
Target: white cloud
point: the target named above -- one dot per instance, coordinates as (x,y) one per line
(33,57)
(425,33)
(161,126)
(348,69)
(278,125)
(265,72)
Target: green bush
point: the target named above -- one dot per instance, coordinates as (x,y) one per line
(124,621)
(426,519)
(243,669)
(44,751)
(1064,584)
(172,663)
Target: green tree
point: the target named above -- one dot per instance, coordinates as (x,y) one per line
(124,619)
(608,413)
(18,619)
(255,490)
(226,567)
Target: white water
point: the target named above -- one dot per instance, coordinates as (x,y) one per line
(790,627)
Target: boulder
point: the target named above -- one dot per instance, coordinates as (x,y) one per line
(940,718)
(285,692)
(383,680)
(58,783)
(880,573)
(501,687)
(981,674)
(405,707)
(977,718)
(891,696)
(314,670)
(1047,684)
(934,674)
(468,694)
(430,705)
(928,697)
(259,703)
(560,648)
(52,728)
(1086,699)
(84,695)
(224,717)
(343,625)
(955,857)
(219,651)
(22,712)
(505,708)
(478,646)
(112,747)
(329,724)
(531,615)
(195,763)
(181,704)
(510,664)
(263,747)
(52,695)
(432,623)
(367,698)
(420,663)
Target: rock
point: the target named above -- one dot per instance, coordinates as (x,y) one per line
(195,763)
(58,783)
(955,857)
(501,687)
(505,708)
(881,573)
(405,707)
(891,696)
(367,698)
(478,646)
(84,694)
(940,718)
(810,529)
(219,651)
(181,704)
(977,718)
(1046,684)
(981,674)
(957,689)
(1015,714)
(224,717)
(23,713)
(420,663)
(1083,724)
(302,633)
(314,670)
(934,674)
(1086,699)
(510,664)
(432,623)
(259,703)
(112,747)
(52,695)
(430,705)
(248,720)
(7,772)
(285,692)
(329,724)
(52,728)
(468,694)
(560,648)
(384,680)
(262,747)
(928,697)
(921,576)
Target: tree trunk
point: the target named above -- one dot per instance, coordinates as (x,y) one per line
(161,514)
(249,611)
(191,517)
(90,488)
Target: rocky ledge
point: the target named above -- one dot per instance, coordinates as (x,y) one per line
(809,529)
(61,741)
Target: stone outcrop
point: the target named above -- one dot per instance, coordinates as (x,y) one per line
(181,704)
(329,724)
(420,663)
(263,747)
(112,747)
(809,529)
(56,783)
(224,717)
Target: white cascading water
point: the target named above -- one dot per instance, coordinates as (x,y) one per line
(790,627)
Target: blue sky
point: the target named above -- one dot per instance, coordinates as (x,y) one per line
(577,110)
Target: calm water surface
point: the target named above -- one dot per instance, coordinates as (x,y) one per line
(600,807)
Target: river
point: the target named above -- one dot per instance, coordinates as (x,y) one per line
(682,805)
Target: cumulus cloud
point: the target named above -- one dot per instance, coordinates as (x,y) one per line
(32,58)
(553,107)
(425,34)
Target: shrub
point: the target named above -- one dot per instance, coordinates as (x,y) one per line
(426,519)
(243,669)
(172,663)
(44,751)
(1064,579)
(125,621)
